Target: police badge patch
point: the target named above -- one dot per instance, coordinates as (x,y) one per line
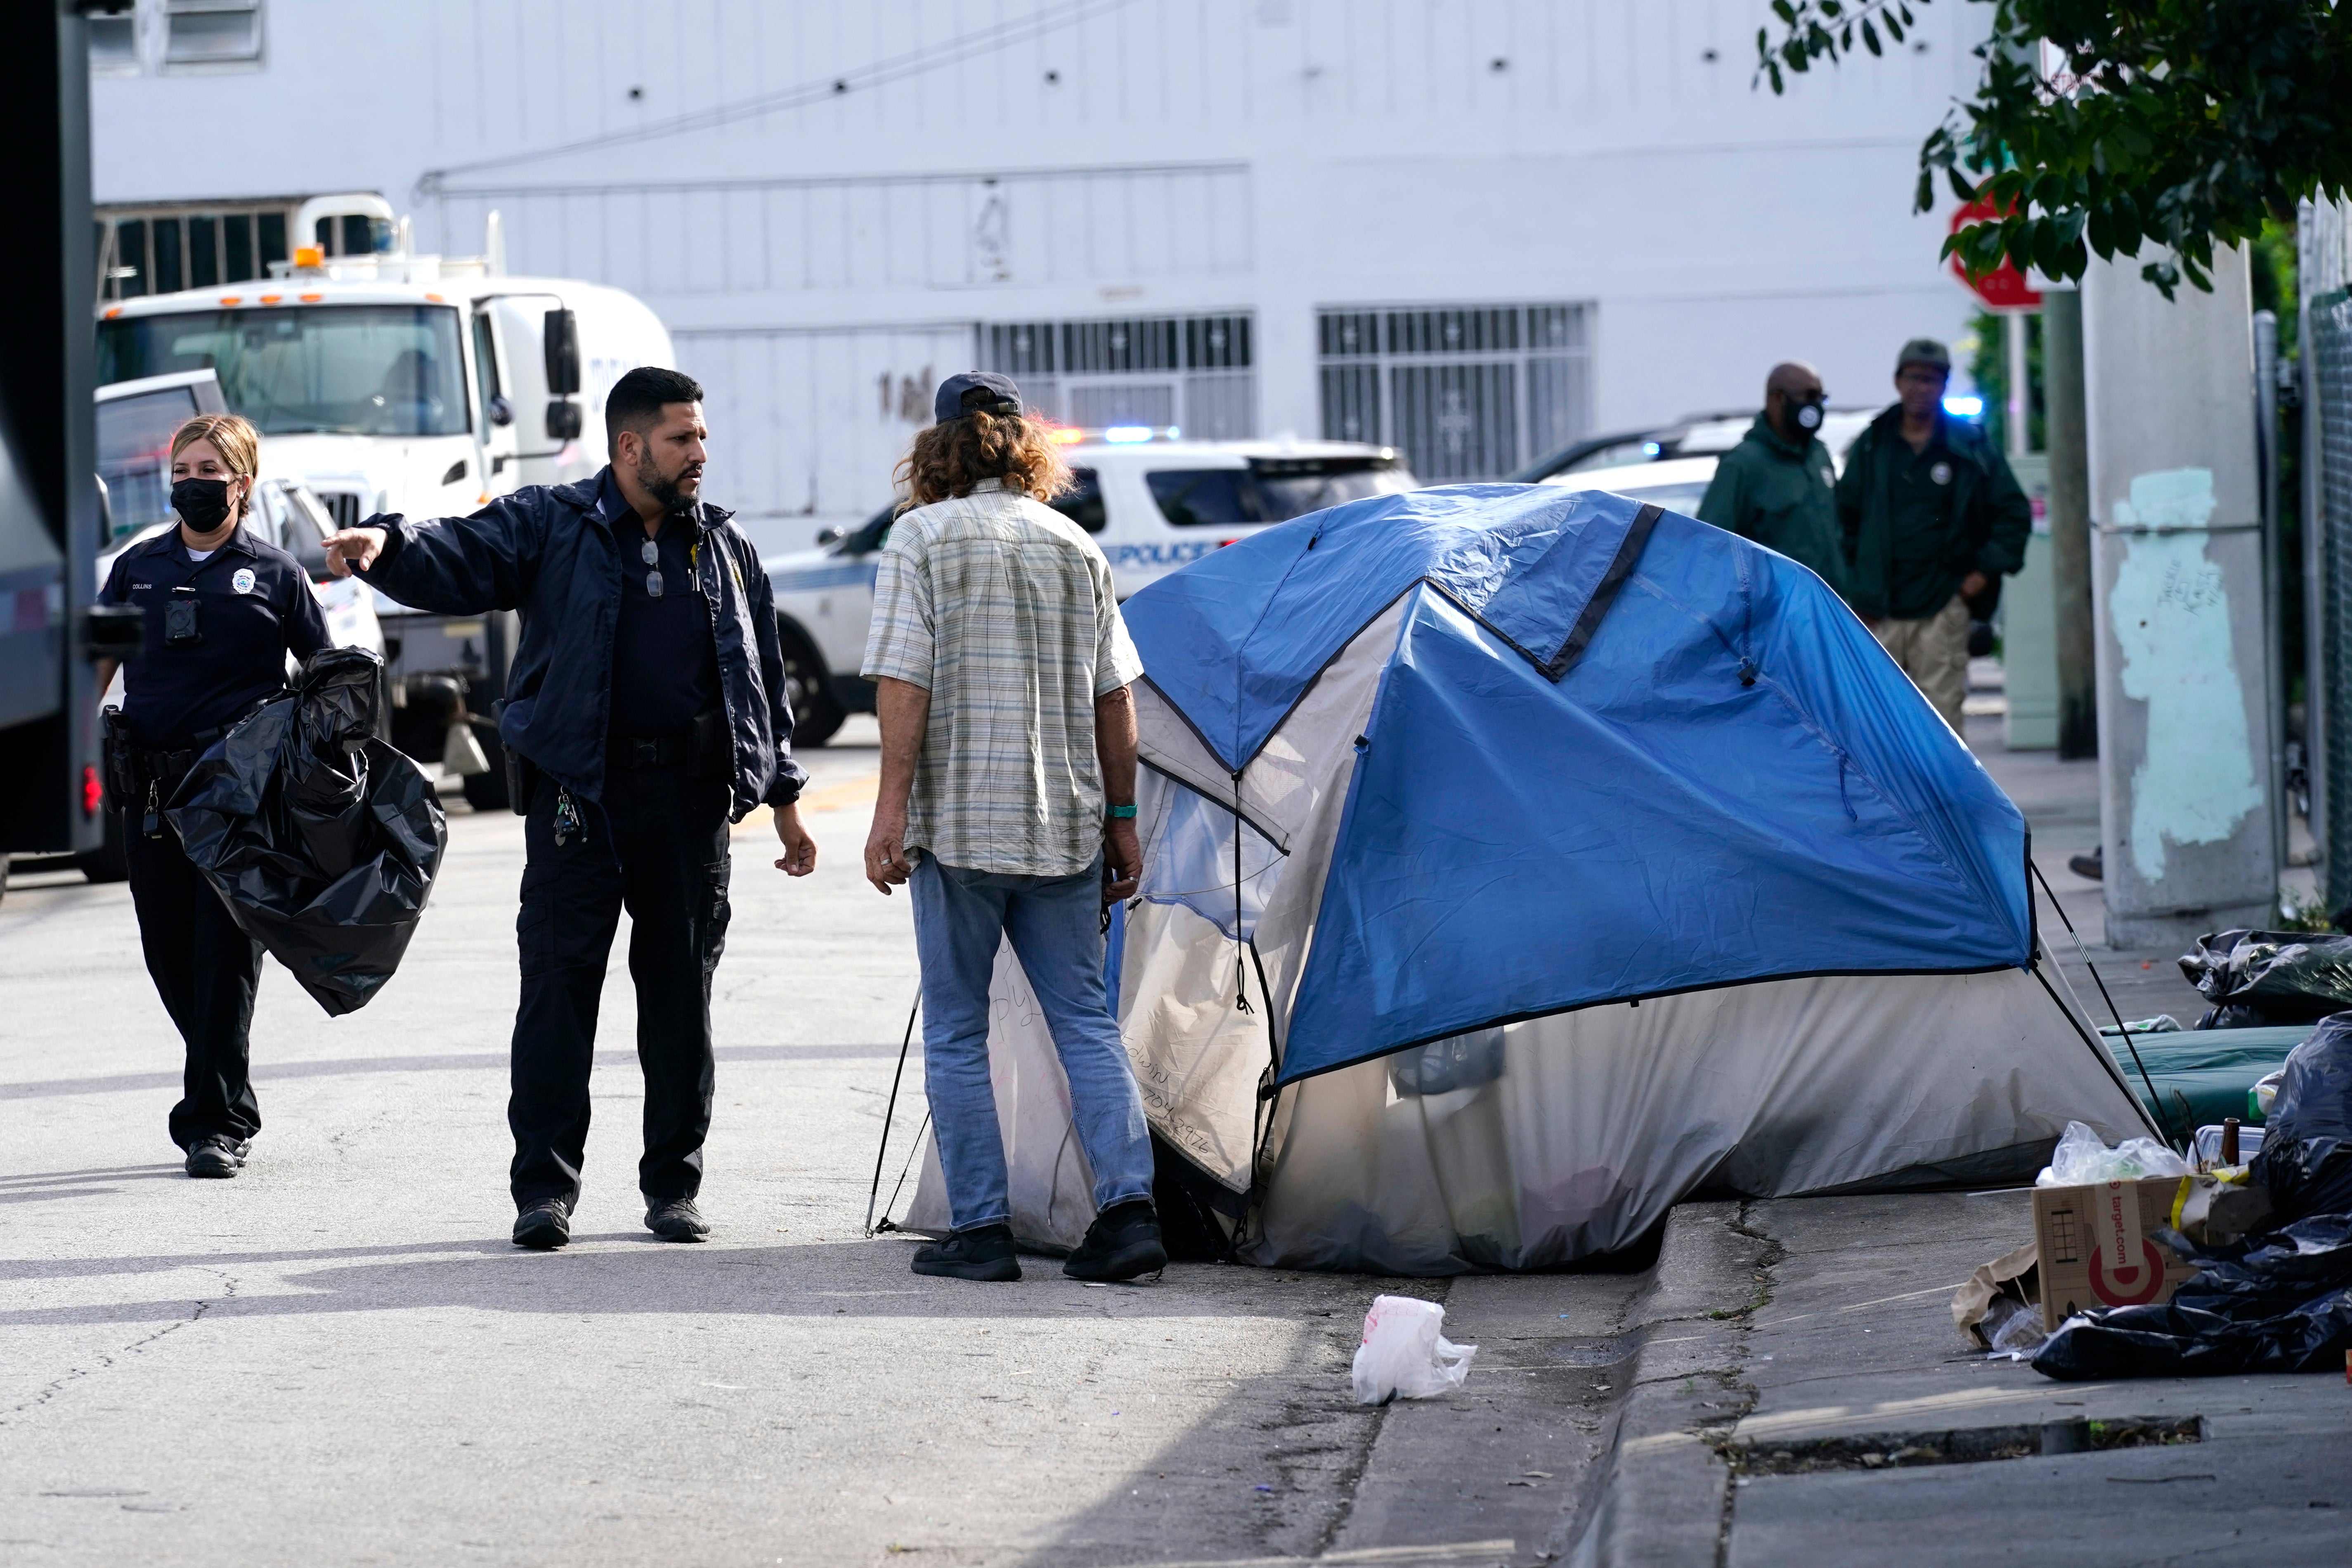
(243,581)
(1941,473)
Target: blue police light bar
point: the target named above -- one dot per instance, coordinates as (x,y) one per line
(1128,435)
(1963,407)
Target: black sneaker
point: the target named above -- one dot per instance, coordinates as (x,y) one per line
(216,1154)
(1122,1243)
(2092,867)
(983,1252)
(677,1220)
(544,1226)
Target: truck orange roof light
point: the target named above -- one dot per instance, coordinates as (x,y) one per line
(271,299)
(114,312)
(437,299)
(311,298)
(310,256)
(232,299)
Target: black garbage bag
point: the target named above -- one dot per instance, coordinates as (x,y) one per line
(321,840)
(2256,978)
(2277,1303)
(2306,1156)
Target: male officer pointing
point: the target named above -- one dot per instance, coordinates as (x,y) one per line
(648,697)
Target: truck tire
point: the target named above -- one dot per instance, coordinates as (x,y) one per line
(109,862)
(815,715)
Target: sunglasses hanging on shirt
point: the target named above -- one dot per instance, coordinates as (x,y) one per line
(651,555)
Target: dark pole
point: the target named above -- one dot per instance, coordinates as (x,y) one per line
(2069,522)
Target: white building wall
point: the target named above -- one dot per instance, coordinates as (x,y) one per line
(815,195)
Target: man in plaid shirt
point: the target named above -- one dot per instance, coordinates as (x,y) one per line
(1001,669)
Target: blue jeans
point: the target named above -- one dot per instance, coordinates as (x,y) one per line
(1055,924)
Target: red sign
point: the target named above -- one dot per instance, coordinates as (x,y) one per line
(2003,287)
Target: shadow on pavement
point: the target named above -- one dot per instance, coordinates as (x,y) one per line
(632,1272)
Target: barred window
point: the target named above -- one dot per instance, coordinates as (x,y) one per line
(1191,374)
(1469,391)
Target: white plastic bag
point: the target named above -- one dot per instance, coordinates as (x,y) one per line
(2081,1159)
(1404,1356)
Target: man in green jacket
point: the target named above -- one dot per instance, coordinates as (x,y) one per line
(1778,486)
(1931,518)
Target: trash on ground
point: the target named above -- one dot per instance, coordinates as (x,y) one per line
(2162,1024)
(2096,1245)
(1997,1292)
(321,840)
(2306,1153)
(1404,1356)
(2083,1157)
(2278,1302)
(2256,977)
(2213,1145)
(2264,1095)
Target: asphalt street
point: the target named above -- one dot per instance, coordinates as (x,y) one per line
(338,1357)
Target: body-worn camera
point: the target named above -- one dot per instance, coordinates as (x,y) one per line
(179,627)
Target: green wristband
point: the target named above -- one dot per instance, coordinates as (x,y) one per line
(1120,812)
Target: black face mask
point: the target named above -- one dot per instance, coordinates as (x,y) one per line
(202,504)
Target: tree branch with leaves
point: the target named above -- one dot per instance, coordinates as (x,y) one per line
(2100,128)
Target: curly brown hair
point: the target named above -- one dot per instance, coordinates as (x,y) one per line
(950,457)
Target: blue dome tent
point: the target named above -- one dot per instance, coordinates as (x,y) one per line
(1518,861)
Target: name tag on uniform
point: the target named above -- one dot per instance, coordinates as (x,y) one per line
(243,581)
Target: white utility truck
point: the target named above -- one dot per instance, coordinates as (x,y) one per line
(1153,501)
(420,385)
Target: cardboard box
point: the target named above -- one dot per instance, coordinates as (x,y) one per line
(2095,1247)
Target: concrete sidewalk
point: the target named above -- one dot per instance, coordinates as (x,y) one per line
(1799,1403)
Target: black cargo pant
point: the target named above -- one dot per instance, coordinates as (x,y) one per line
(657,845)
(205,969)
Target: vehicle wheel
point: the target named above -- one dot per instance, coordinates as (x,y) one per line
(109,862)
(815,715)
(488,792)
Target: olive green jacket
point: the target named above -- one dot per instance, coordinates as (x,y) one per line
(1782,495)
(1987,524)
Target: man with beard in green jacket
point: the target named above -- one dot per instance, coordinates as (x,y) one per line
(1778,486)
(1932,517)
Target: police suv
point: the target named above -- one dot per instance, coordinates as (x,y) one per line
(1152,501)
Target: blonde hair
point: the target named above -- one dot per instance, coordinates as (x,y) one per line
(950,458)
(237,441)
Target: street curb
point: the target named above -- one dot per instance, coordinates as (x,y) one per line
(1663,1488)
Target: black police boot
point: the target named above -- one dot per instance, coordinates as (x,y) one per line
(216,1154)
(677,1220)
(1123,1242)
(2092,867)
(544,1226)
(983,1252)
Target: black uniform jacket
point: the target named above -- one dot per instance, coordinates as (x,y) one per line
(255,606)
(555,553)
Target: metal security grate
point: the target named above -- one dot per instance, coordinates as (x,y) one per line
(2330,348)
(1470,391)
(1191,372)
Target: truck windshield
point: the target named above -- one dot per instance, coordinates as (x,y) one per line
(360,370)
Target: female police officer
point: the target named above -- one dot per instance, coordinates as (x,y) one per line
(223,609)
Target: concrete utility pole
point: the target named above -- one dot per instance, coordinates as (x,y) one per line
(2070,523)
(2175,510)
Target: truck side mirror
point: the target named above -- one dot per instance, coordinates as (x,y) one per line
(564,420)
(501,411)
(828,536)
(561,338)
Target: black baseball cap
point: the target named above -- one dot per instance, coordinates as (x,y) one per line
(975,392)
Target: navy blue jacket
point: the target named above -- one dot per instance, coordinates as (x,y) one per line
(553,553)
(255,606)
